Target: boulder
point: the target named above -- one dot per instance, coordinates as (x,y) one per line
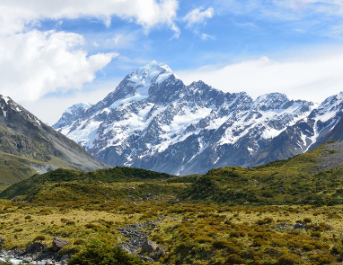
(149,247)
(1,241)
(34,247)
(158,254)
(58,243)
(49,262)
(27,259)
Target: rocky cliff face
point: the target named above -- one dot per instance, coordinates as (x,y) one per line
(152,120)
(24,135)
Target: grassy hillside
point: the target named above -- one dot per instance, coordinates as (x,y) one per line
(15,168)
(292,181)
(63,185)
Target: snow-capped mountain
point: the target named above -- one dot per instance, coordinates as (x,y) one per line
(153,120)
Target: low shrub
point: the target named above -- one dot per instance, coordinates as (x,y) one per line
(39,238)
(103,254)
(289,259)
(322,259)
(234,259)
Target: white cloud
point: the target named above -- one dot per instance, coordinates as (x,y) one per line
(122,40)
(311,79)
(205,36)
(197,16)
(50,109)
(36,63)
(15,14)
(56,105)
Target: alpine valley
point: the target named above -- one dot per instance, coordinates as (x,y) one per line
(152,120)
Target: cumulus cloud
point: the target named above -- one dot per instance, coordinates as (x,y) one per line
(311,79)
(16,14)
(197,16)
(36,63)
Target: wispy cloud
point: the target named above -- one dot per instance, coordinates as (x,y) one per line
(205,36)
(197,16)
(308,14)
(306,78)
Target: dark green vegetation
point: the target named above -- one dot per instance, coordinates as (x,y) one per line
(64,185)
(102,254)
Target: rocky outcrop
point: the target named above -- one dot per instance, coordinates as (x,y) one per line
(58,244)
(138,243)
(35,248)
(38,253)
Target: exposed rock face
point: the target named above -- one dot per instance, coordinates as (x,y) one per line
(58,244)
(34,247)
(152,120)
(149,247)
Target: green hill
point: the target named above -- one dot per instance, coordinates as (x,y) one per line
(15,168)
(303,179)
(115,183)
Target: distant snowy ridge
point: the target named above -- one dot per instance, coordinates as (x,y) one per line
(153,121)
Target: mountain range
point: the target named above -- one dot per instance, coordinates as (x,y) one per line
(152,120)
(29,146)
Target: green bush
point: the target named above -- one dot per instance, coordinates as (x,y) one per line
(322,259)
(103,254)
(289,259)
(234,259)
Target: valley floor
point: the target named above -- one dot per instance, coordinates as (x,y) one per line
(185,233)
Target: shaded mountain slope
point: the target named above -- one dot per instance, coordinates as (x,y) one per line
(22,135)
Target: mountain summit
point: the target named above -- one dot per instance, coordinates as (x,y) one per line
(152,120)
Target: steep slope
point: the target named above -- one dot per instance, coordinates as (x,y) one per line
(36,146)
(153,121)
(323,124)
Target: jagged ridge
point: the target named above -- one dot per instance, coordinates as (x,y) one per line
(153,120)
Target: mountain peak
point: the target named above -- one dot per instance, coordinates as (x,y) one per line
(271,101)
(6,99)
(152,72)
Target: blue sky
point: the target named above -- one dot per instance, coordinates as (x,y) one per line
(57,53)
